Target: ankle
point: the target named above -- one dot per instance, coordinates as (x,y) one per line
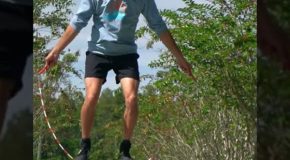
(86,144)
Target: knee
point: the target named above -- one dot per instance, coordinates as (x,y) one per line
(91,99)
(131,100)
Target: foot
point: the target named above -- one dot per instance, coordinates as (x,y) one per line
(124,157)
(125,150)
(82,155)
(85,148)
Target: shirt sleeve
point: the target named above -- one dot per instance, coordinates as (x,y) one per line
(83,15)
(153,17)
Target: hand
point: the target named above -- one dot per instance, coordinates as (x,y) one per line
(51,59)
(185,67)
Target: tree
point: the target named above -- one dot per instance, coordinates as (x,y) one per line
(62,99)
(215,116)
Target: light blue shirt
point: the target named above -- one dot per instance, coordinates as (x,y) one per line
(115,22)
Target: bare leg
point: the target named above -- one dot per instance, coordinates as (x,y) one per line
(130,92)
(93,88)
(6,88)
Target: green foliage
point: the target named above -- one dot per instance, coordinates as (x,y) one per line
(215,116)
(62,99)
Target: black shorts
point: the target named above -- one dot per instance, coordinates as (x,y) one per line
(98,65)
(15,42)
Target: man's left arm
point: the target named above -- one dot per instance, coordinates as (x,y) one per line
(169,42)
(157,24)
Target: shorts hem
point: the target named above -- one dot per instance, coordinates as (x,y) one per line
(118,79)
(94,76)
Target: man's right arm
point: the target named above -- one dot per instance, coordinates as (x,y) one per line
(66,38)
(79,21)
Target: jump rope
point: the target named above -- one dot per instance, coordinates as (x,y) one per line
(40,88)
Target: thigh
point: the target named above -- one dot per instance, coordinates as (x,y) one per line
(129,87)
(93,87)
(126,66)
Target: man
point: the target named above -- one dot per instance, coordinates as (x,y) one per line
(15,47)
(112,46)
